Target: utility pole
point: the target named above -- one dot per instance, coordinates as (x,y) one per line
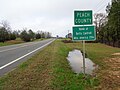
(68,34)
(118,28)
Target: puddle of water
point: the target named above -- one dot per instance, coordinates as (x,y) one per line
(75,59)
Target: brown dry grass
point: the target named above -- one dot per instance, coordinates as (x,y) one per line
(14,41)
(11,42)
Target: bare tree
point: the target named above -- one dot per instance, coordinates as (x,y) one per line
(5,24)
(100,20)
(5,31)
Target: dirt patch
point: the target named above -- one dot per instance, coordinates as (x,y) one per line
(110,76)
(116,54)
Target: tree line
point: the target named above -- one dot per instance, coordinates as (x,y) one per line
(108,25)
(7,34)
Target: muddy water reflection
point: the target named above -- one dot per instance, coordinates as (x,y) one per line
(76,62)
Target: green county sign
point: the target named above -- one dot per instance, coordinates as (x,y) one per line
(83,17)
(86,33)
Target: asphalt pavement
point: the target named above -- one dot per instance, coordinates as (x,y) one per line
(11,56)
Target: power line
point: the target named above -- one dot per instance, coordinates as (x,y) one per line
(100,8)
(100,5)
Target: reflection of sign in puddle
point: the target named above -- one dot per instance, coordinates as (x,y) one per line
(76,62)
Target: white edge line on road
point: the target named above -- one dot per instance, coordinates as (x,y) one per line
(18,47)
(13,48)
(24,55)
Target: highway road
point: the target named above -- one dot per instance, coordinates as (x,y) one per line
(11,56)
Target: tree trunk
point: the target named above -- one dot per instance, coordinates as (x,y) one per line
(113,43)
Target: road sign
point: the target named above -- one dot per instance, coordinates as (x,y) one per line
(86,33)
(83,17)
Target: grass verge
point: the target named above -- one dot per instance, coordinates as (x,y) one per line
(11,42)
(49,69)
(17,41)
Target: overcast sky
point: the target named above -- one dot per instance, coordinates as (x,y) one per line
(55,16)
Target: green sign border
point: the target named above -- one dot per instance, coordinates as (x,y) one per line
(84,39)
(85,18)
